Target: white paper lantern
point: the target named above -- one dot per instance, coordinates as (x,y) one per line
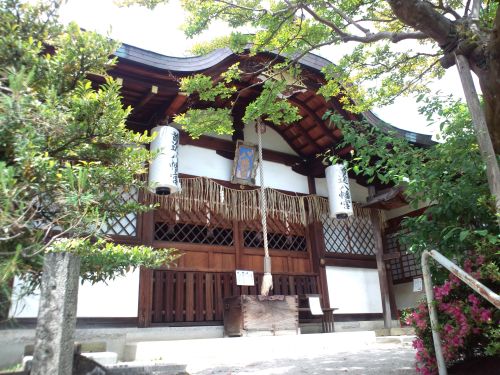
(339,193)
(163,169)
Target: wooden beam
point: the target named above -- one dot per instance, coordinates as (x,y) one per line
(311,184)
(311,167)
(175,106)
(146,98)
(138,83)
(356,263)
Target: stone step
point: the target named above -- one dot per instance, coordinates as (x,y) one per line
(396,331)
(362,325)
(264,347)
(103,358)
(404,340)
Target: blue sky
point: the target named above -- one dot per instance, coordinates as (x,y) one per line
(160,31)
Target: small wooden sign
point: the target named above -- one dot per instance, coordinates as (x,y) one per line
(417,284)
(244,277)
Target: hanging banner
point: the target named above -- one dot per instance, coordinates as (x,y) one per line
(163,169)
(339,192)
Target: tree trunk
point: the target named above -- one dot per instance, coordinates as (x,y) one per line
(484,59)
(490,84)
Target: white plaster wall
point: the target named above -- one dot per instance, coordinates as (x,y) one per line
(354,290)
(117,298)
(405,296)
(199,161)
(358,192)
(26,307)
(271,139)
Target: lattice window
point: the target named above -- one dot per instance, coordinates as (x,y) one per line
(126,225)
(406,266)
(280,235)
(193,227)
(353,236)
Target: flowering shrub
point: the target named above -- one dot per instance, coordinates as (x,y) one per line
(467,323)
(404,316)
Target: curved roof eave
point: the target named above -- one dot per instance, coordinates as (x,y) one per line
(195,64)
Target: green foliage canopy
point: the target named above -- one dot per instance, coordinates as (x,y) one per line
(376,62)
(65,153)
(449,178)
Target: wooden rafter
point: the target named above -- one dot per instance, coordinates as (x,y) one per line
(150,95)
(304,106)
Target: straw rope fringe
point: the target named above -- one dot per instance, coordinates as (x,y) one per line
(242,205)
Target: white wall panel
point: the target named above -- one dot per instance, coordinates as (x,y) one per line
(116,298)
(26,307)
(354,290)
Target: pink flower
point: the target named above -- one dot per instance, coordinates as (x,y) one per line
(485,315)
(473,299)
(479,260)
(468,266)
(447,328)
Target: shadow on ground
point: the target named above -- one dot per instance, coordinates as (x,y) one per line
(397,361)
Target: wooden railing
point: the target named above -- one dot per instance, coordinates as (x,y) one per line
(479,288)
(180,296)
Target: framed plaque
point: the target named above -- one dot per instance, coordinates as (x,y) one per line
(246,159)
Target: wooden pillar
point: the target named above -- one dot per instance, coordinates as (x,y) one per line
(238,244)
(392,298)
(145,297)
(147,228)
(315,231)
(387,257)
(238,124)
(146,275)
(318,252)
(382,272)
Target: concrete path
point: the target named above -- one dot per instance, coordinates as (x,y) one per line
(336,353)
(383,359)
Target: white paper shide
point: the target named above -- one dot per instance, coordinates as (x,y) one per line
(339,193)
(163,169)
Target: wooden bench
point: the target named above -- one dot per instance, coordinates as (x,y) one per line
(327,320)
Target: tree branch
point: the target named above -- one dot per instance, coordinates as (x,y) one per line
(369,38)
(349,19)
(242,7)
